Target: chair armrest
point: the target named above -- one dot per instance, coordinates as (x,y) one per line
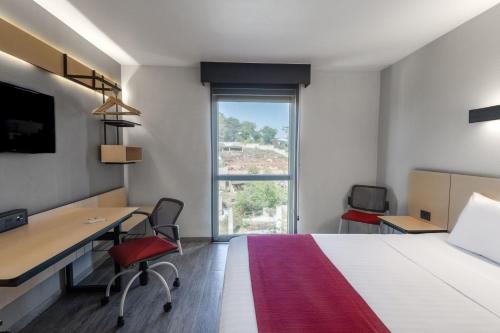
(174,227)
(168,226)
(141,213)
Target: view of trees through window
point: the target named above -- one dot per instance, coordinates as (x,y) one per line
(253,207)
(253,140)
(231,130)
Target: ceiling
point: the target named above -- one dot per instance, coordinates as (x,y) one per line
(329,34)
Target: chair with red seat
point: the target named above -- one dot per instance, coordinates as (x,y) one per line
(139,252)
(366,203)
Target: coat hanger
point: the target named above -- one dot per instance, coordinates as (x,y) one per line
(115,101)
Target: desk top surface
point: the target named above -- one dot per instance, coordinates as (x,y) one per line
(410,224)
(49,237)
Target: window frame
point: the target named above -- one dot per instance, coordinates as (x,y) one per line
(288,93)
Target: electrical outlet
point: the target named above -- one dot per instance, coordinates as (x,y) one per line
(425,215)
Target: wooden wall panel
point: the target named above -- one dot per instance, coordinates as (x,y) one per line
(430,191)
(115,198)
(77,68)
(22,45)
(27,47)
(463,186)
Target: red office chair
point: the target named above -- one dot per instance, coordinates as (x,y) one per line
(366,203)
(140,251)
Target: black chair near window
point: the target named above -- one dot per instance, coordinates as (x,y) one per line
(135,255)
(365,203)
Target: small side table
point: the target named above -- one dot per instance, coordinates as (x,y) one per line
(410,225)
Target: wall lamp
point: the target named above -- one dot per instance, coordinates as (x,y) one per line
(484,114)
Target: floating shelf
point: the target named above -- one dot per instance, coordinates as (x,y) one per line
(23,45)
(81,74)
(119,123)
(120,154)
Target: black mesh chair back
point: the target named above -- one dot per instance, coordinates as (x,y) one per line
(369,198)
(165,214)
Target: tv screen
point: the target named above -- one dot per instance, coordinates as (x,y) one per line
(27,123)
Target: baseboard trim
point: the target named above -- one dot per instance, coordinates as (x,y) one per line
(31,315)
(196,239)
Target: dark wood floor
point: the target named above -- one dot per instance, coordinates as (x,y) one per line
(195,303)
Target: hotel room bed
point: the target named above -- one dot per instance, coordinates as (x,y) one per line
(413,283)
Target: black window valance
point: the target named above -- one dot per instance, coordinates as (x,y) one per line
(252,73)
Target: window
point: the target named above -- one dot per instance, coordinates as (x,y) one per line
(253,160)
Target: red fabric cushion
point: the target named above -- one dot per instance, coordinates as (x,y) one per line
(357,216)
(141,249)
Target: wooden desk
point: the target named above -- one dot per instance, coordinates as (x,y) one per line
(50,237)
(410,224)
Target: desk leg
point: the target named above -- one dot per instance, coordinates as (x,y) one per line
(70,284)
(71,287)
(116,240)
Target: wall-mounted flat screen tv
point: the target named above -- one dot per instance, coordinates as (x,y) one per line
(27,121)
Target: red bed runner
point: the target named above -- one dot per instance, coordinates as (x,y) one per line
(296,288)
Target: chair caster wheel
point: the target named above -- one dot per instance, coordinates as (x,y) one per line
(104,301)
(177,282)
(120,321)
(167,307)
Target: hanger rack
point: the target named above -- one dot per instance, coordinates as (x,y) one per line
(29,48)
(110,153)
(115,101)
(95,78)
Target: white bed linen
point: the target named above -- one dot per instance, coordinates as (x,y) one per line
(414,283)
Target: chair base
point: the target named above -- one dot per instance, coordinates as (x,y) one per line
(342,220)
(143,269)
(167,307)
(104,300)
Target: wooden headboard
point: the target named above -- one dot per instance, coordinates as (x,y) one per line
(461,189)
(429,191)
(445,195)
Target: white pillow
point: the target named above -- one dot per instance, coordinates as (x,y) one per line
(478,227)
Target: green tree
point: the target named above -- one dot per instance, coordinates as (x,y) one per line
(248,132)
(232,129)
(222,126)
(258,195)
(268,134)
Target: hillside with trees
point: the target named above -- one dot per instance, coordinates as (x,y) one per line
(232,130)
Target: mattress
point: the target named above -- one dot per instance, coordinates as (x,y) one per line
(414,283)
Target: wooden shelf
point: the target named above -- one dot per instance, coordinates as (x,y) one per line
(119,123)
(120,154)
(23,45)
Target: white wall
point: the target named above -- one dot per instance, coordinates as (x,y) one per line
(425,100)
(175,135)
(338,142)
